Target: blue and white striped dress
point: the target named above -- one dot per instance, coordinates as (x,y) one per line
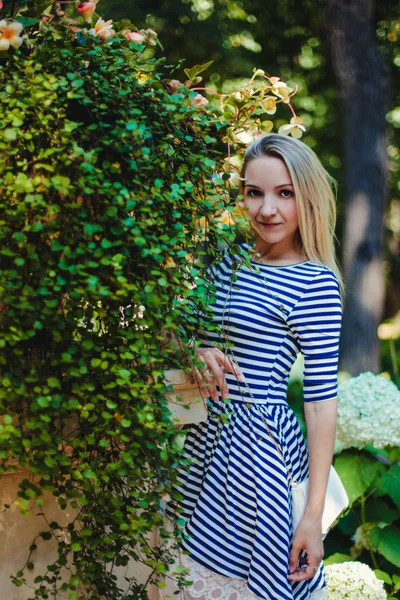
(236,495)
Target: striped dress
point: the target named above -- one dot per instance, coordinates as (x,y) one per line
(236,500)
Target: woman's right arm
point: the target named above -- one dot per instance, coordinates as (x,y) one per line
(215,363)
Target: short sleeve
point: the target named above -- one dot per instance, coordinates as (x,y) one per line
(315,322)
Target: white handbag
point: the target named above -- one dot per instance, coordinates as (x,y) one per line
(336,499)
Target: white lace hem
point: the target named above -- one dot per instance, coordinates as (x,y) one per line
(208,585)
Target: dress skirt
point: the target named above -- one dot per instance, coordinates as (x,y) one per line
(236,501)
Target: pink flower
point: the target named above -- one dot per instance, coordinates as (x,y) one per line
(173,85)
(9,34)
(279,88)
(135,36)
(87,9)
(295,129)
(103,29)
(199,101)
(150,37)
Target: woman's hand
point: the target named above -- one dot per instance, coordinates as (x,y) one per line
(213,374)
(308,537)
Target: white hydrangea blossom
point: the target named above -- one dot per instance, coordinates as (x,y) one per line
(360,539)
(353,581)
(368,412)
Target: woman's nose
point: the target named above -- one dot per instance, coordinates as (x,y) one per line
(268,207)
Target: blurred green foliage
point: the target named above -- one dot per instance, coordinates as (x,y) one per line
(285,38)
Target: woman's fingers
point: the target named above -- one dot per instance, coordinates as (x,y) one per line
(230,366)
(206,383)
(215,365)
(308,565)
(215,375)
(302,573)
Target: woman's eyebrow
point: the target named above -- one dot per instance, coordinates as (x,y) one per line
(276,187)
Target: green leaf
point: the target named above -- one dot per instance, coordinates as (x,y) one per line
(26,21)
(71,126)
(89,474)
(390,483)
(78,83)
(53,382)
(357,471)
(396,581)
(124,373)
(179,569)
(382,575)
(41,6)
(76,547)
(386,540)
(43,402)
(10,134)
(196,70)
(337,558)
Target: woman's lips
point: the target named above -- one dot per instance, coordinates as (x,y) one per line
(269,225)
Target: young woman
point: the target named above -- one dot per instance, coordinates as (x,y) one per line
(239,539)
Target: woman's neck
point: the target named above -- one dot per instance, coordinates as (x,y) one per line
(263,256)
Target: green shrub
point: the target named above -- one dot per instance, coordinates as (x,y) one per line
(105,178)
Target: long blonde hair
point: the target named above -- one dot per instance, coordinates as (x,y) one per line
(315,192)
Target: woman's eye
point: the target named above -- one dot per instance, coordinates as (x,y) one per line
(254,193)
(288,192)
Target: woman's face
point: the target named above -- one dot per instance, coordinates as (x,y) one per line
(269,199)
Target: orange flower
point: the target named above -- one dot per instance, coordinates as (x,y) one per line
(169,262)
(226,216)
(103,29)
(9,34)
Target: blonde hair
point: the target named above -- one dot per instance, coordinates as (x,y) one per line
(315,192)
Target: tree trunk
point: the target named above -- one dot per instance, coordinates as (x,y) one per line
(364,86)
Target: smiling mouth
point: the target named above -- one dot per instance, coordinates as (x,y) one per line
(269,224)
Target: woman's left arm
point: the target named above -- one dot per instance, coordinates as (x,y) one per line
(321,429)
(315,322)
